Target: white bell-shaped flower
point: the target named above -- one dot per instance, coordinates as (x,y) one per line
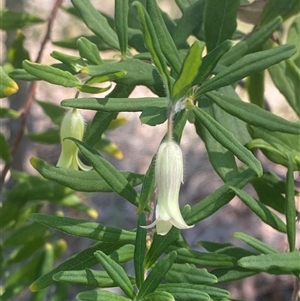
(72,126)
(169,175)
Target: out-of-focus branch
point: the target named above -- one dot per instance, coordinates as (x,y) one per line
(31,92)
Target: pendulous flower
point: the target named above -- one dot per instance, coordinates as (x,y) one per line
(169,176)
(72,126)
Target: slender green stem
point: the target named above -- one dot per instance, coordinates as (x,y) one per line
(170,123)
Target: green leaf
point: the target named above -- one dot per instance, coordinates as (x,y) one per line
(255,84)
(74,62)
(121,23)
(218,198)
(226,138)
(226,248)
(279,263)
(251,43)
(222,160)
(165,40)
(232,274)
(188,71)
(99,296)
(255,243)
(83,228)
(54,112)
(88,181)
(290,207)
(210,61)
(250,63)
(8,113)
(159,246)
(276,146)
(89,51)
(156,275)
(78,261)
(219,21)
(50,74)
(158,296)
(184,294)
(10,20)
(138,73)
(7,85)
(270,189)
(17,53)
(191,21)
(191,290)
(276,8)
(293,35)
(115,104)
(140,250)
(5,149)
(286,77)
(154,115)
(110,174)
(202,258)
(86,277)
(96,22)
(51,136)
(185,273)
(253,114)
(153,45)
(92,90)
(116,273)
(21,74)
(266,215)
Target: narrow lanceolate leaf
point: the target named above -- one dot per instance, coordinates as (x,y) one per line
(87,181)
(4,148)
(253,114)
(186,273)
(7,85)
(152,43)
(116,273)
(86,277)
(159,245)
(210,61)
(84,228)
(226,138)
(96,22)
(10,20)
(78,261)
(89,51)
(166,42)
(115,104)
(121,23)
(109,173)
(232,273)
(9,113)
(218,198)
(188,72)
(201,258)
(279,263)
(250,63)
(100,296)
(219,21)
(255,243)
(265,214)
(156,275)
(158,296)
(138,73)
(213,292)
(140,250)
(50,74)
(290,207)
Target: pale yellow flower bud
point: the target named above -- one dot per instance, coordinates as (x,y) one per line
(169,175)
(72,126)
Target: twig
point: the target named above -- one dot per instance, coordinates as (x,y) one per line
(31,92)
